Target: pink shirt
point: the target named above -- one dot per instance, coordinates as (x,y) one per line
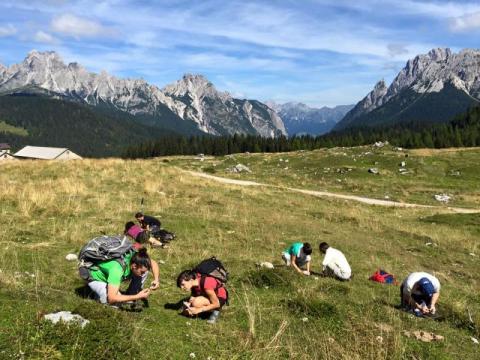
(134,231)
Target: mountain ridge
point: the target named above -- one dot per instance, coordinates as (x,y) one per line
(191,99)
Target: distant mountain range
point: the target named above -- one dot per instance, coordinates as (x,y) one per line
(431,88)
(190,105)
(301,119)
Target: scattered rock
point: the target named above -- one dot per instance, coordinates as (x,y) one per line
(161,262)
(454,173)
(442,198)
(305,319)
(286,160)
(379,339)
(380,144)
(398,148)
(403,171)
(403,164)
(475,341)
(239,168)
(266,265)
(387,197)
(192,356)
(373,171)
(331,340)
(67,317)
(423,336)
(71,257)
(472,254)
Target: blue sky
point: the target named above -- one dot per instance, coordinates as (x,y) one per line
(320,52)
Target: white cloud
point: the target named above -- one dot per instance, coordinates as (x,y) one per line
(7,30)
(465,23)
(76,26)
(43,37)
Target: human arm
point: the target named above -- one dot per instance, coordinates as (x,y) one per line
(433,308)
(156,275)
(294,264)
(307,272)
(114,295)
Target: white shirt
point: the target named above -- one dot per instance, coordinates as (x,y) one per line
(335,259)
(414,277)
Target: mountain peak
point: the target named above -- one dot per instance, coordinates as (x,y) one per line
(439,54)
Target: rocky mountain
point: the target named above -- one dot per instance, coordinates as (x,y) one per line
(302,119)
(432,87)
(193,100)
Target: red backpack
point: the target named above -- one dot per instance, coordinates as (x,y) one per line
(383,277)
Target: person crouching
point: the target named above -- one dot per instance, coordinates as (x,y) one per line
(208,294)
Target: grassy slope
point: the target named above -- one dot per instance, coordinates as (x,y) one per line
(429,172)
(54,209)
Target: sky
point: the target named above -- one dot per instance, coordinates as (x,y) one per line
(319,52)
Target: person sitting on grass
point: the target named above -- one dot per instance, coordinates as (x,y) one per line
(141,236)
(419,293)
(208,294)
(149,223)
(107,276)
(334,263)
(299,256)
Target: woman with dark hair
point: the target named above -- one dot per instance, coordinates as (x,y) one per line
(141,236)
(106,277)
(208,294)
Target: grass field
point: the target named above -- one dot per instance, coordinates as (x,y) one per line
(50,209)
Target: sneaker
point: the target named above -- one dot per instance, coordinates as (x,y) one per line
(213,317)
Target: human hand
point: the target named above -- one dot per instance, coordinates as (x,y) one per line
(154,285)
(433,309)
(144,294)
(306,272)
(194,311)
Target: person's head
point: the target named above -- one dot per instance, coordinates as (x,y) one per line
(425,286)
(140,262)
(307,248)
(186,280)
(323,247)
(139,216)
(128,226)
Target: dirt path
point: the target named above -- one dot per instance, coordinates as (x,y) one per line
(361,199)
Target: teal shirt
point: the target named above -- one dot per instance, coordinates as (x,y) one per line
(111,272)
(295,249)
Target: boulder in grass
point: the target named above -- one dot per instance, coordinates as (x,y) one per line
(67,317)
(71,257)
(239,168)
(266,265)
(443,198)
(373,171)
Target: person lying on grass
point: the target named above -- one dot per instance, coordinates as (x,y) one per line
(107,276)
(335,263)
(141,236)
(208,294)
(419,292)
(298,255)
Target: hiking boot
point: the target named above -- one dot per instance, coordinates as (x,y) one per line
(213,317)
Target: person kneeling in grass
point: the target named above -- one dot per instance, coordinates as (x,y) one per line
(298,255)
(334,263)
(208,294)
(107,276)
(420,292)
(141,236)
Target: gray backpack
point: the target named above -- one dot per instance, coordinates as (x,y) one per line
(100,249)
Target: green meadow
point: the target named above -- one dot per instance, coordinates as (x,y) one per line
(50,209)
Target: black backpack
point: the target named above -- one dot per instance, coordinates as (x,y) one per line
(163,235)
(214,268)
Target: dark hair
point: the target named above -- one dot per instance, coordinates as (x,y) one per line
(138,215)
(185,275)
(323,247)
(307,248)
(128,226)
(141,258)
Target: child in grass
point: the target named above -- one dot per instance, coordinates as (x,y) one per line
(298,256)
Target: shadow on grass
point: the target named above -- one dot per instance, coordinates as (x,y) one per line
(280,277)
